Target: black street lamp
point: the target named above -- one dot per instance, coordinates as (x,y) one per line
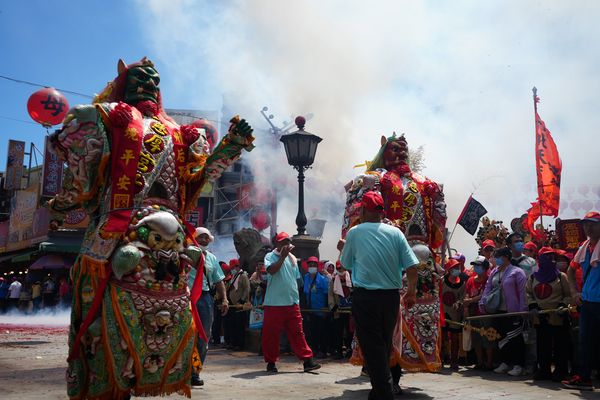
(300,149)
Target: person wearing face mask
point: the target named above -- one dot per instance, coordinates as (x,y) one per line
(238,292)
(548,288)
(316,287)
(340,290)
(586,260)
(453,293)
(473,291)
(487,250)
(212,275)
(510,280)
(281,306)
(515,243)
(530,249)
(528,264)
(563,259)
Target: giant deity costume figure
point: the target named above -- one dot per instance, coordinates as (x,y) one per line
(416,206)
(135,172)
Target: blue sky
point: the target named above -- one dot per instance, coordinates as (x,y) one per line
(72,45)
(456,77)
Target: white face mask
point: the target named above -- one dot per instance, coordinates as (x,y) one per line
(203,248)
(312,270)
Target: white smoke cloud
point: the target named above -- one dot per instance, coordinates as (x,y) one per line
(55,318)
(455,77)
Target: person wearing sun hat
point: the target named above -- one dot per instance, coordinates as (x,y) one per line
(282,306)
(211,276)
(510,281)
(316,287)
(530,249)
(453,293)
(548,289)
(487,250)
(587,259)
(377,254)
(473,291)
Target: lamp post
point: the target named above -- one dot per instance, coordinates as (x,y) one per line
(300,149)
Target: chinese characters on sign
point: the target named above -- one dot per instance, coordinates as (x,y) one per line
(53,169)
(569,233)
(14,164)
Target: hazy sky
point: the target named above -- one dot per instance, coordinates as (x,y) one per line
(455,77)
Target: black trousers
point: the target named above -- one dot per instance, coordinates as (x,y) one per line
(513,352)
(339,333)
(217,326)
(553,344)
(317,332)
(235,327)
(589,330)
(375,313)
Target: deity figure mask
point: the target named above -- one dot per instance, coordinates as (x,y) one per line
(395,153)
(392,155)
(142,84)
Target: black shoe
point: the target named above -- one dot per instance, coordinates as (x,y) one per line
(271,368)
(397,390)
(542,376)
(310,365)
(197,381)
(558,376)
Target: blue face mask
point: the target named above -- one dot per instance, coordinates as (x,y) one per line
(498,261)
(455,272)
(478,269)
(518,246)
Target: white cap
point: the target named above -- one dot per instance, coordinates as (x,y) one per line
(480,260)
(201,230)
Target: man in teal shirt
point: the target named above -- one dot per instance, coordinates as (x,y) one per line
(281,306)
(377,254)
(213,275)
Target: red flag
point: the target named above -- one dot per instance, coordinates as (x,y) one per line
(549,167)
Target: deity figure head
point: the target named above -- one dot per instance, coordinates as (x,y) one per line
(142,84)
(136,84)
(392,155)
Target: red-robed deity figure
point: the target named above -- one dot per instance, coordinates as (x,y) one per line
(135,172)
(416,206)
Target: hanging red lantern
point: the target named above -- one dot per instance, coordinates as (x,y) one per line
(212,135)
(47,106)
(260,220)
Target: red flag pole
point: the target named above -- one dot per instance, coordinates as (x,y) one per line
(536,99)
(459,217)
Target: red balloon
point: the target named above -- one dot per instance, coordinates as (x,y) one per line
(260,220)
(47,106)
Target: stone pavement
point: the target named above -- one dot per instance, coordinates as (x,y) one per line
(32,365)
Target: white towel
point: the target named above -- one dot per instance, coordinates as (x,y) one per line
(580,255)
(337,283)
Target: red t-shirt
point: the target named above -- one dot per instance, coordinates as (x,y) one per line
(472,289)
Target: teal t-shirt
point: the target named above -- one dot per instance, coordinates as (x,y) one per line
(213,270)
(591,288)
(282,287)
(377,253)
